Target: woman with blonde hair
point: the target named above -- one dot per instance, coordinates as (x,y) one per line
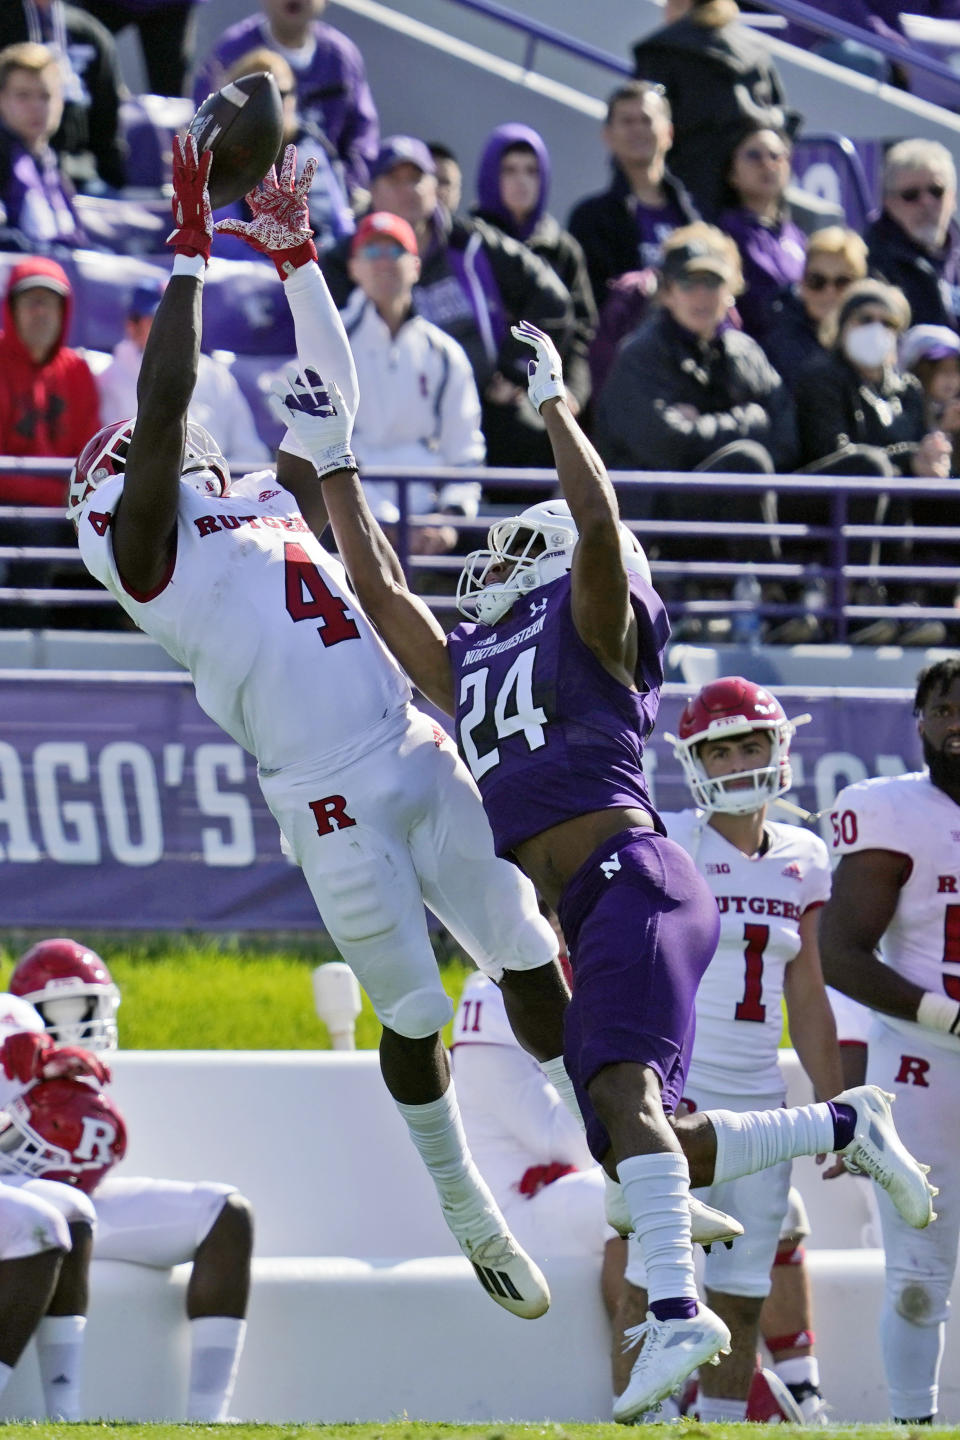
(834,260)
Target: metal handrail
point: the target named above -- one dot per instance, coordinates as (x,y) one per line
(805,14)
(833,569)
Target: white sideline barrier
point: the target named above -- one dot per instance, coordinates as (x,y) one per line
(354,1262)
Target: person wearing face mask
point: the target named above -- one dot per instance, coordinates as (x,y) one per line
(859,414)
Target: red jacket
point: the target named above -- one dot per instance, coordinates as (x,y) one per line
(51,408)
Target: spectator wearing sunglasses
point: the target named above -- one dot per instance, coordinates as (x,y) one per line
(915,241)
(835,259)
(758,217)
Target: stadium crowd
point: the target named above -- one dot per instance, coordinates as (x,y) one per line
(723,337)
(693,317)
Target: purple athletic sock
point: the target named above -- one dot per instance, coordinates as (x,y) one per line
(684,1308)
(844,1123)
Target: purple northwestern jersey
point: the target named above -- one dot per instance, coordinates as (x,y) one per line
(547,732)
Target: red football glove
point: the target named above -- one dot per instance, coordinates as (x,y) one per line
(23,1055)
(192,216)
(69,1062)
(280,226)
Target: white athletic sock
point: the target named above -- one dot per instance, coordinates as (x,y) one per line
(556,1073)
(657,1190)
(711,1410)
(756,1139)
(799,1370)
(216,1343)
(5,1372)
(911,1359)
(437,1131)
(59,1352)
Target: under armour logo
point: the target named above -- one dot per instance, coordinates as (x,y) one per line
(537,607)
(611,866)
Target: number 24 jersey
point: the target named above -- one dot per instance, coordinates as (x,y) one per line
(761,899)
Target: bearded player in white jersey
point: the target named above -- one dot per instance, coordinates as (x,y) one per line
(890,938)
(370,796)
(769,880)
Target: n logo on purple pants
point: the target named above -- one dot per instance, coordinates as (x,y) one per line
(611,866)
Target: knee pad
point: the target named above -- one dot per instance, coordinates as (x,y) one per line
(531,945)
(74,1205)
(421,1013)
(924,1303)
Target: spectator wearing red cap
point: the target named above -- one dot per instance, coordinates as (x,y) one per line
(419,404)
(48,397)
(475,282)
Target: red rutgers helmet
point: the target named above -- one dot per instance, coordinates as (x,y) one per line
(724,709)
(73,991)
(62,1130)
(203,468)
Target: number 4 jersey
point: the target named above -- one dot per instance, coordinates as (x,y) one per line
(761,899)
(281,656)
(547,732)
(908,815)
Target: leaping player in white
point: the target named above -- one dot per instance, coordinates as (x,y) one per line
(370,795)
(770,880)
(890,938)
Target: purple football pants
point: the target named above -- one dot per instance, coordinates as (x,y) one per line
(641,927)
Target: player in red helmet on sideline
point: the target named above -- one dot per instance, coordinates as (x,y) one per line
(160,1223)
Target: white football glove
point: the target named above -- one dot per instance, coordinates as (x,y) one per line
(545,374)
(316,412)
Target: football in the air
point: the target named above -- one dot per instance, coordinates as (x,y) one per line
(243,125)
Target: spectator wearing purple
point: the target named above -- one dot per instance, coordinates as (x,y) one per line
(623,228)
(166,30)
(836,258)
(88,141)
(36,205)
(332,89)
(771,245)
(914,243)
(513,185)
(718,76)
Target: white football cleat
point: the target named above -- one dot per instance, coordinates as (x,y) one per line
(710,1226)
(671,1350)
(508,1274)
(877,1150)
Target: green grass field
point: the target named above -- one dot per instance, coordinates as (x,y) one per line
(406,1430)
(183,992)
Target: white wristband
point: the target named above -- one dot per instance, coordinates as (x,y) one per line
(194,265)
(939,1012)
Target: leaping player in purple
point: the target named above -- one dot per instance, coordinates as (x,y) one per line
(554,682)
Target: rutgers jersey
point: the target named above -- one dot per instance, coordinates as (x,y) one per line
(548,733)
(908,815)
(761,899)
(261,615)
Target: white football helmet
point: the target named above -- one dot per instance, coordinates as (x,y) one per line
(727,709)
(538,544)
(105,454)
